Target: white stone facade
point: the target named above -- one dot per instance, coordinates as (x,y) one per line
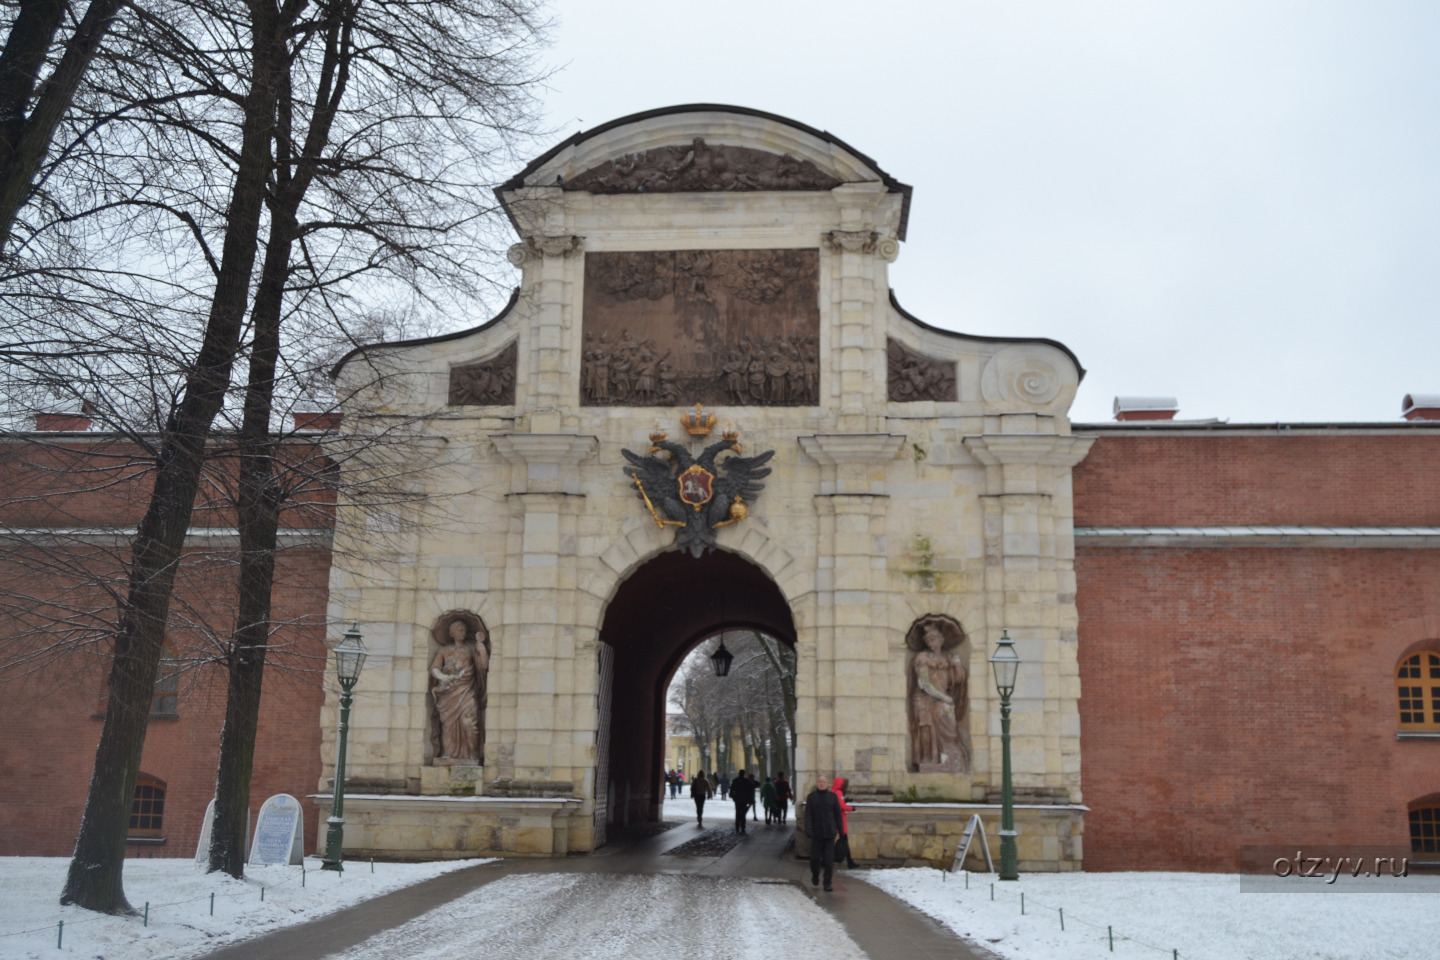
(877,513)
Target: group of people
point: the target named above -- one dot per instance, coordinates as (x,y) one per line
(674,783)
(826,812)
(775,794)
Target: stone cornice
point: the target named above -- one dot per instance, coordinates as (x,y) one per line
(835,449)
(565,449)
(1055,451)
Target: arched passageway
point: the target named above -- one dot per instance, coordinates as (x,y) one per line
(661,611)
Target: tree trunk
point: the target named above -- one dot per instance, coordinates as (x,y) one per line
(24,141)
(259,495)
(95,876)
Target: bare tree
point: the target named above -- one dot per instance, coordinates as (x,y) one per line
(750,703)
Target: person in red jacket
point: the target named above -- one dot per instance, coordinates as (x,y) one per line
(842,846)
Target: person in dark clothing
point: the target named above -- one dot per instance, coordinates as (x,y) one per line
(822,825)
(742,791)
(767,800)
(725,785)
(783,796)
(699,792)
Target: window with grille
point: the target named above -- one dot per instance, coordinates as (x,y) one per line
(147,810)
(1417,688)
(165,698)
(1425,830)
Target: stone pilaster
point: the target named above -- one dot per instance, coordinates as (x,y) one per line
(857,333)
(1030,590)
(542,729)
(848,676)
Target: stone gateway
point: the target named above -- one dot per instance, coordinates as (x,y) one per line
(571,542)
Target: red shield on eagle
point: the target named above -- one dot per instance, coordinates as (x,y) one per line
(697,486)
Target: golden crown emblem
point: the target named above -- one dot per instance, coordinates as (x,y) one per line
(697,422)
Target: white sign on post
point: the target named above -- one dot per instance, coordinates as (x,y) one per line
(279,833)
(974,826)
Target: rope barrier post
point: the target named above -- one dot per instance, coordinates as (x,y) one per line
(212,904)
(1110,932)
(372,864)
(992,892)
(60,935)
(302,874)
(1062,919)
(1022,903)
(967,879)
(147,913)
(262,893)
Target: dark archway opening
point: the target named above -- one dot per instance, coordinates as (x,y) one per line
(660,613)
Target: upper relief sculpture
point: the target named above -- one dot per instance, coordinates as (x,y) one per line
(459,674)
(938,698)
(708,326)
(700,167)
(487,383)
(913,376)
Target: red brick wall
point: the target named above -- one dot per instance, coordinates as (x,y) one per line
(1235,695)
(52,718)
(1222,479)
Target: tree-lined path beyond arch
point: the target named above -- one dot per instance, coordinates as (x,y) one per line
(630,900)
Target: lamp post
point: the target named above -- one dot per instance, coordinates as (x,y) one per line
(1006,664)
(349,659)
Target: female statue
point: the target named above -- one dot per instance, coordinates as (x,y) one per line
(938,696)
(458,674)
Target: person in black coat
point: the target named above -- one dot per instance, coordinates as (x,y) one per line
(822,826)
(742,791)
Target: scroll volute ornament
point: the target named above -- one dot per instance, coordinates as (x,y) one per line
(914,376)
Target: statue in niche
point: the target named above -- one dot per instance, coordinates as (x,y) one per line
(459,674)
(937,696)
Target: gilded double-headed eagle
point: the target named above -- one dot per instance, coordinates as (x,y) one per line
(693,493)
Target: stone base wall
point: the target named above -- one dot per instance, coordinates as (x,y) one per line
(929,833)
(452,828)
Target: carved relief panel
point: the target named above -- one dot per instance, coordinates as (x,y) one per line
(738,327)
(489,382)
(914,376)
(699,167)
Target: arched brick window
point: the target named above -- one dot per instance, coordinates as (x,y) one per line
(1425,825)
(147,809)
(1417,691)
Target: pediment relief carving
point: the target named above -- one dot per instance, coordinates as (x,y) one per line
(489,382)
(698,167)
(914,376)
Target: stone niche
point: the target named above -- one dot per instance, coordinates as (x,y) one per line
(677,327)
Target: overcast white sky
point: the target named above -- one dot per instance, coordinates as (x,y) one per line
(1233,203)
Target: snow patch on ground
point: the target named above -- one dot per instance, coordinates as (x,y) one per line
(180,923)
(608,917)
(1205,916)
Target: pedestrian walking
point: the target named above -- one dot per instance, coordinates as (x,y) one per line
(767,800)
(783,796)
(700,791)
(742,791)
(842,846)
(725,785)
(822,825)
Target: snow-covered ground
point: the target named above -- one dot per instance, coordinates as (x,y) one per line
(1205,916)
(180,923)
(607,917)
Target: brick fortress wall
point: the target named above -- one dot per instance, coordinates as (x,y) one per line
(52,704)
(1245,694)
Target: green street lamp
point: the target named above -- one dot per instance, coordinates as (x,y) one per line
(1006,664)
(349,659)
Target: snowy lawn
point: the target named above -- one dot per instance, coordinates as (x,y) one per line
(1205,916)
(180,923)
